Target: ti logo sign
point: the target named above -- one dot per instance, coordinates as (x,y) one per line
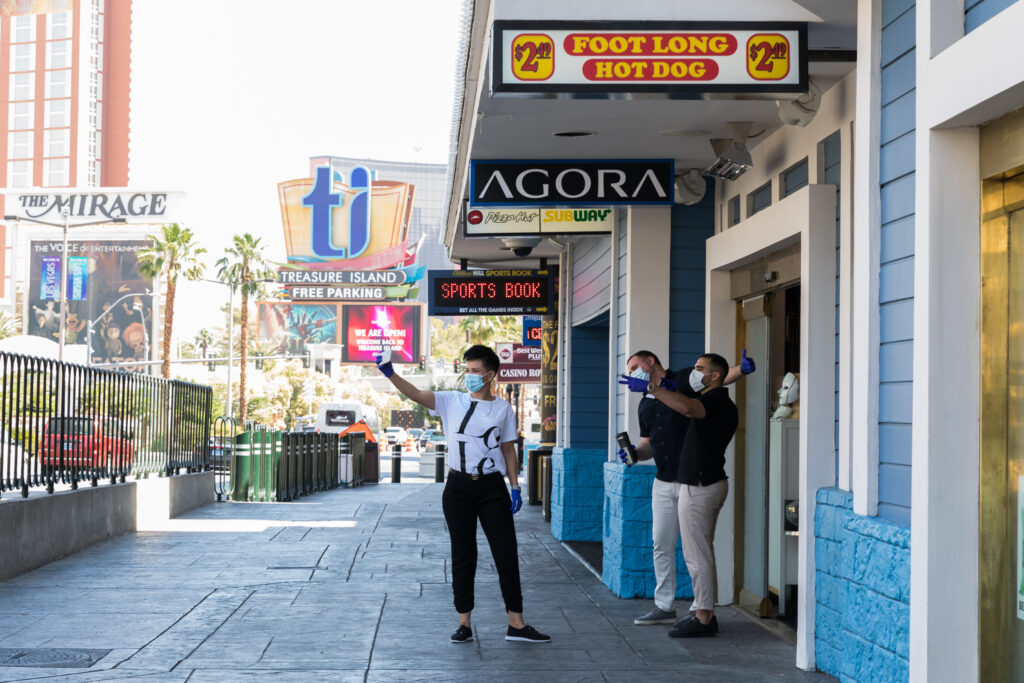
(322,199)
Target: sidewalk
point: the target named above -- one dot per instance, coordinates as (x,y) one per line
(347,585)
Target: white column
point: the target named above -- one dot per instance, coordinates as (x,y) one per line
(866,250)
(846,262)
(649,251)
(946,440)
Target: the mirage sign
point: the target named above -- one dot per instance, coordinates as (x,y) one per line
(571,183)
(129,206)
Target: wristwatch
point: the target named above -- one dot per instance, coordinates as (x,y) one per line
(651,386)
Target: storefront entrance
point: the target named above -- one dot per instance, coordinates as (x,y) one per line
(1001,552)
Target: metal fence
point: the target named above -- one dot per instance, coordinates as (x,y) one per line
(63,424)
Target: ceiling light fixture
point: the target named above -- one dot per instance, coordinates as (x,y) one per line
(573,133)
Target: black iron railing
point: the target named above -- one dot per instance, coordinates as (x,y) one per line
(63,424)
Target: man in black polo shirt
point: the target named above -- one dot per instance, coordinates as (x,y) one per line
(663,430)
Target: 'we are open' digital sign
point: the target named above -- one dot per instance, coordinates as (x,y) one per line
(490,292)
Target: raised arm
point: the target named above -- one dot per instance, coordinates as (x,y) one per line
(422,396)
(745,367)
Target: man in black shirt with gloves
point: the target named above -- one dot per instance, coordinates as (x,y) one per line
(686,429)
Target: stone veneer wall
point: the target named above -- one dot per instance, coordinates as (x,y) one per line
(628,561)
(863,593)
(577,493)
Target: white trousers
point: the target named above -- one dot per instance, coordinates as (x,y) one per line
(693,510)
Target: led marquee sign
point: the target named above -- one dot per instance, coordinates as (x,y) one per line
(490,292)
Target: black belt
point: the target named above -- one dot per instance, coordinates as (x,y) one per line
(472,475)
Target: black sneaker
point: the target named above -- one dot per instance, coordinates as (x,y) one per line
(526,634)
(690,627)
(463,634)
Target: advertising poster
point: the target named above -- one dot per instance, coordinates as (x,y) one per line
(291,326)
(103,287)
(369,329)
(519,363)
(1020,547)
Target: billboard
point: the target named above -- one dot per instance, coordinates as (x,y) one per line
(371,328)
(103,287)
(652,56)
(520,364)
(289,326)
(491,292)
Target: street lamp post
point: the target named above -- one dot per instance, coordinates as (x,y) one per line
(64,226)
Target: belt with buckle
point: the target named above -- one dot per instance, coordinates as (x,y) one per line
(472,475)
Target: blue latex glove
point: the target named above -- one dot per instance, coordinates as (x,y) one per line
(386,369)
(517,500)
(633,383)
(746,364)
(624,457)
(666,383)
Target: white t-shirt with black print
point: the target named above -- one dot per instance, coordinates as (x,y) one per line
(475,430)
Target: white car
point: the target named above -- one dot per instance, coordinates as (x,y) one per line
(395,435)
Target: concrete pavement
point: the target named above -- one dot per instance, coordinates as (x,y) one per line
(346,585)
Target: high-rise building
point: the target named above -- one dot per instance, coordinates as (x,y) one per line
(64,110)
(427,203)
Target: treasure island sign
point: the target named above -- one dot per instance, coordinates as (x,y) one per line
(347,241)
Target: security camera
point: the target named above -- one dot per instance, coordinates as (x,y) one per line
(521,246)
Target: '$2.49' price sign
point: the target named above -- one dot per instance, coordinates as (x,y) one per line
(533,57)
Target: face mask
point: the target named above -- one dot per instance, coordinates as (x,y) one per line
(640,374)
(696,380)
(474,383)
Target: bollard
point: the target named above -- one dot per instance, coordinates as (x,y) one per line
(396,464)
(532,478)
(545,485)
(519,451)
(439,464)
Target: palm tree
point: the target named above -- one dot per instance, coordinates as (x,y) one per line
(173,252)
(203,340)
(244,267)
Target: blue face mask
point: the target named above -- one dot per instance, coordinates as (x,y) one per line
(639,373)
(474,383)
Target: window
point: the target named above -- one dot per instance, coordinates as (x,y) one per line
(57,84)
(794,178)
(56,143)
(58,24)
(58,55)
(58,113)
(23,86)
(19,173)
(24,28)
(761,198)
(23,57)
(55,172)
(734,211)
(19,144)
(20,115)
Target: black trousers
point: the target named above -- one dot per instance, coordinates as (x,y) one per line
(464,501)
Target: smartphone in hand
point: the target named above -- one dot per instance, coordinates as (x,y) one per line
(625,444)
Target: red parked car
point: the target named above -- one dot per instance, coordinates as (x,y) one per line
(87,442)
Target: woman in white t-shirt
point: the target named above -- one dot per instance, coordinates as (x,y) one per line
(480,429)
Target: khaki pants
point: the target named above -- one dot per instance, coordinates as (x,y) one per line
(698,514)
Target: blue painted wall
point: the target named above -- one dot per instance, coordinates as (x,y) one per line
(862,593)
(977,12)
(577,493)
(628,560)
(591,277)
(588,391)
(831,152)
(896,276)
(691,227)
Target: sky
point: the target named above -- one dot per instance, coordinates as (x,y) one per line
(230,98)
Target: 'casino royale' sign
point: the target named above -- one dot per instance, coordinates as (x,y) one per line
(619,182)
(598,56)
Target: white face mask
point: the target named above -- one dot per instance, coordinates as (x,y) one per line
(639,373)
(697,380)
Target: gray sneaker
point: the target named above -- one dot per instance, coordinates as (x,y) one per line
(656,616)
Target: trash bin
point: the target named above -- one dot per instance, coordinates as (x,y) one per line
(371,462)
